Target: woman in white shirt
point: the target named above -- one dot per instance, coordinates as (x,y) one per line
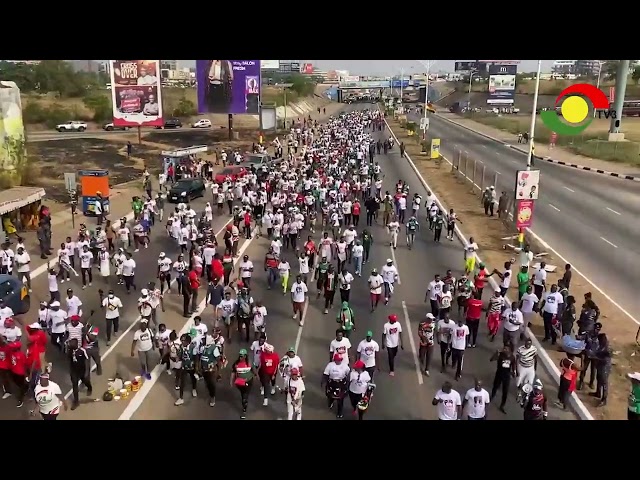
(105,264)
(64,260)
(359,380)
(49,398)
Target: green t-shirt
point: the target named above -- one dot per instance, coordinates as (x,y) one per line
(137,207)
(523,282)
(207,358)
(367,240)
(634,399)
(323,268)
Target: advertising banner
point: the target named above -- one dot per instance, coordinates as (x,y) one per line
(524,213)
(397,83)
(527,184)
(307,68)
(228,86)
(435,148)
(12,140)
(135,93)
(502,84)
(270,64)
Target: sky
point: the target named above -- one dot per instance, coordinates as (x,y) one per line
(393,67)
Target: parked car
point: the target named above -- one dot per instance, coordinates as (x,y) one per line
(72,126)
(234,172)
(15,294)
(202,123)
(172,123)
(186,189)
(109,127)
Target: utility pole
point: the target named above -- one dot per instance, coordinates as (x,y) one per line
(621,88)
(532,128)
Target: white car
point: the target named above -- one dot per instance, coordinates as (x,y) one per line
(71,126)
(202,123)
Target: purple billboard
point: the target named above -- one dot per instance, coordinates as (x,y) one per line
(228,86)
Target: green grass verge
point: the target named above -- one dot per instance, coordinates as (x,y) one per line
(594,145)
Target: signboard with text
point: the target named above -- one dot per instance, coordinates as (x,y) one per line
(228,86)
(502,84)
(136,94)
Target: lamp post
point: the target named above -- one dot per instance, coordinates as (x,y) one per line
(471,74)
(428,64)
(600,62)
(532,128)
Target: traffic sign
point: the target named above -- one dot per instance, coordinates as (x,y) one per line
(424,123)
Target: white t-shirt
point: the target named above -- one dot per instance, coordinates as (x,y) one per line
(298,290)
(526,258)
(245,269)
(539,277)
(513,320)
(336,371)
(528,301)
(551,302)
(47,398)
(85,259)
(289,363)
(358,381)
(357,251)
(345,281)
(73,306)
(228,307)
(58,317)
(448,408)
(445,299)
(367,351)
(375,284)
(283,268)
(144,340)
(23,260)
(477,402)
(392,333)
(128,267)
(389,273)
(459,337)
(341,348)
(111,307)
(435,289)
(295,389)
(506,281)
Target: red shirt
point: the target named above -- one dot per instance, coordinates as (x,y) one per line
(481,278)
(247,218)
(194,280)
(474,309)
(356,209)
(269,363)
(37,342)
(18,363)
(217,270)
(310,247)
(4,357)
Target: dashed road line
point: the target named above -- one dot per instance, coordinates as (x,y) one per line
(613,211)
(612,244)
(554,207)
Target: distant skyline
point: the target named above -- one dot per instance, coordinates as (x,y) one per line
(393,67)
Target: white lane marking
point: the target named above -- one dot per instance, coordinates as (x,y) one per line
(299,335)
(393,257)
(612,210)
(480,161)
(612,244)
(484,146)
(572,191)
(136,402)
(554,207)
(498,173)
(412,342)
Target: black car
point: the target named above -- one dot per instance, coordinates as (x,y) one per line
(172,123)
(15,294)
(186,189)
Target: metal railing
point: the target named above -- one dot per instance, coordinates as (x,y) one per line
(479,177)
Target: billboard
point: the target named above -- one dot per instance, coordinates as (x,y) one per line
(136,95)
(307,68)
(465,66)
(270,64)
(502,84)
(228,86)
(12,141)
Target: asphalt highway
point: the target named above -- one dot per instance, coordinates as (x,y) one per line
(53,135)
(406,396)
(591,220)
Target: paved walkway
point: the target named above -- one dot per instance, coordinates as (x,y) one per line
(542,150)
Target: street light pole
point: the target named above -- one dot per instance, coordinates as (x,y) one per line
(533,117)
(598,82)
(401,89)
(428,64)
(471,73)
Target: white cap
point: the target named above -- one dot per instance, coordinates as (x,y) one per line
(634,376)
(430,316)
(35,325)
(144,292)
(54,304)
(389,260)
(162,255)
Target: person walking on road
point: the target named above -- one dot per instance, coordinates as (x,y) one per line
(78,370)
(391,340)
(242,375)
(505,370)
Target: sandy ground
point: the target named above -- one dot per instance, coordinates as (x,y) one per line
(488,233)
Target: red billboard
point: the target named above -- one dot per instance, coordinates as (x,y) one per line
(136,93)
(307,68)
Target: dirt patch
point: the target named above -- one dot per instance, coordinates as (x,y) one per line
(488,233)
(50,161)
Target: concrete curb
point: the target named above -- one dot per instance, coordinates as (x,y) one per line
(545,159)
(575,402)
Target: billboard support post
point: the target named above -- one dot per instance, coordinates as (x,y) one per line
(230,119)
(284,91)
(533,116)
(139,135)
(136,93)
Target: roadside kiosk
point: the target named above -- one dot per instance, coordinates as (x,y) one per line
(19,210)
(181,156)
(92,182)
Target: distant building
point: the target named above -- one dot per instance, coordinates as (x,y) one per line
(577,68)
(289,66)
(168,64)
